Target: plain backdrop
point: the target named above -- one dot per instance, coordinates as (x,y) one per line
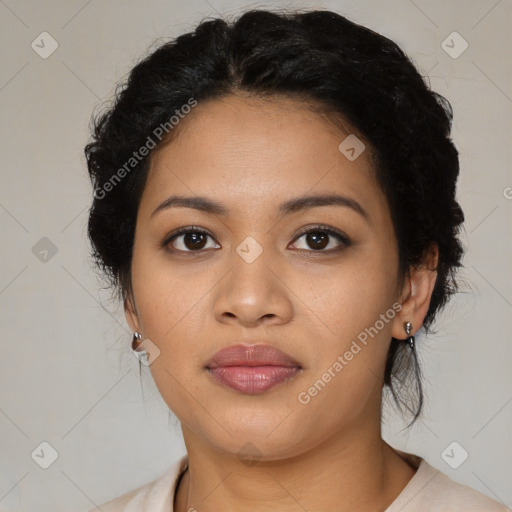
(68,377)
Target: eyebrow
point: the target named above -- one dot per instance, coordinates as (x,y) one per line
(292,206)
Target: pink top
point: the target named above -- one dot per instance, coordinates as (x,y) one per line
(429,490)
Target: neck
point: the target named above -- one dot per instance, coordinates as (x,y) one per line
(351,471)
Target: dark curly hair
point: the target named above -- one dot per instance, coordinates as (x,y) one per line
(318,57)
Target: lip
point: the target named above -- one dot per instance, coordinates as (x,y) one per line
(251,355)
(252,369)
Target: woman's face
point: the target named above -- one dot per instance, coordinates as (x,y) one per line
(254,278)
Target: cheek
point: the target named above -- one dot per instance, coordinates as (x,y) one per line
(163,289)
(170,307)
(348,346)
(350,297)
(171,302)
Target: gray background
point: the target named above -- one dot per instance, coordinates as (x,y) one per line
(67,374)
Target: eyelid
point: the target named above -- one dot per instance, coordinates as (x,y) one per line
(323,227)
(181,231)
(344,239)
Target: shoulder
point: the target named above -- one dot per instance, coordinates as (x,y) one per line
(432,490)
(154,496)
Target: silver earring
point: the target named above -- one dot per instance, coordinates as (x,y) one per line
(408,330)
(139,353)
(137,338)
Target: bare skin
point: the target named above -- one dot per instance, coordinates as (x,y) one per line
(250,156)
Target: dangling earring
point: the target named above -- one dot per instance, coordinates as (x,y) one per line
(140,354)
(408,330)
(137,338)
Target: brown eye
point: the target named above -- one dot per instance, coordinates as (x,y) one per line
(188,240)
(318,238)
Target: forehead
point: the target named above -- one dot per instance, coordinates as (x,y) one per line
(253,152)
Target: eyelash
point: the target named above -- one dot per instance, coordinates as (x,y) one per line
(318,228)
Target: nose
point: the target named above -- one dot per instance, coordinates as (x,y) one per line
(254,291)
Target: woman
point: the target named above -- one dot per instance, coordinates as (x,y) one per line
(274,201)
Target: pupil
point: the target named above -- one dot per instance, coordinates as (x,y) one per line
(314,237)
(196,243)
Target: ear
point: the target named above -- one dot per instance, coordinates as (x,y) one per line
(130,312)
(416,294)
